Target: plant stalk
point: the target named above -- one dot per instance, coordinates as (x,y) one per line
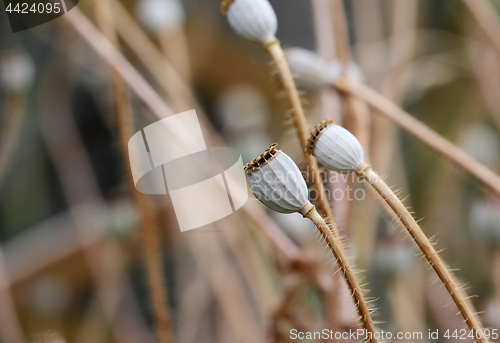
(422,132)
(337,249)
(366,172)
(149,226)
(274,49)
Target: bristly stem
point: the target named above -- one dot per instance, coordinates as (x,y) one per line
(422,132)
(331,233)
(337,249)
(274,49)
(365,172)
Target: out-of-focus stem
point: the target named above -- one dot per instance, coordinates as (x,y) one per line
(366,172)
(175,48)
(357,117)
(149,228)
(9,129)
(10,327)
(485,15)
(160,109)
(422,132)
(337,249)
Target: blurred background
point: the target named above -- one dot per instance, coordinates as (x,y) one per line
(85,258)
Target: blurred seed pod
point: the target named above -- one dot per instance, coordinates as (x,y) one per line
(276,181)
(482,143)
(17,71)
(484,220)
(243,107)
(335,147)
(312,73)
(300,231)
(161,15)
(492,314)
(49,337)
(393,259)
(50,294)
(254,20)
(122,218)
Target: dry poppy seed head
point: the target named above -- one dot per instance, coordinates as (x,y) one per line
(254,20)
(277,182)
(315,133)
(336,148)
(262,159)
(225,5)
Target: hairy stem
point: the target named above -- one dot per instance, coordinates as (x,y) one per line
(422,132)
(366,172)
(337,249)
(331,234)
(274,49)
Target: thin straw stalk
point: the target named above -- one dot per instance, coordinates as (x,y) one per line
(422,132)
(149,226)
(337,249)
(365,172)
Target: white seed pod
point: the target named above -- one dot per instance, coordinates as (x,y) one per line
(484,220)
(481,142)
(335,147)
(355,73)
(17,71)
(393,259)
(255,20)
(161,15)
(276,181)
(310,71)
(493,313)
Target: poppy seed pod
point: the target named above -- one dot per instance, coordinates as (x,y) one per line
(277,182)
(255,20)
(310,71)
(335,147)
(161,15)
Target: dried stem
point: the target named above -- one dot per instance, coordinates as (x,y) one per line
(357,118)
(422,132)
(9,129)
(10,327)
(149,226)
(274,49)
(337,249)
(366,172)
(175,47)
(484,14)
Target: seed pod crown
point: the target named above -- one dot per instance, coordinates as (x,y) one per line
(276,181)
(335,147)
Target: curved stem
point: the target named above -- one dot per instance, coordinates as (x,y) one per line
(422,132)
(366,172)
(337,249)
(274,49)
